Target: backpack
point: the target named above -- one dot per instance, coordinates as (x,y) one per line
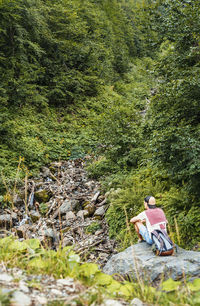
(162,244)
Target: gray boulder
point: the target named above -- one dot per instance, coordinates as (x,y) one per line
(139,261)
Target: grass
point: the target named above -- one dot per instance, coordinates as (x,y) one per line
(30,256)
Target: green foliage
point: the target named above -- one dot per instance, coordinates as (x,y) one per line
(183,215)
(31,257)
(170,285)
(126,197)
(101,166)
(56,57)
(117,123)
(93,227)
(43,208)
(174,112)
(5,298)
(59,51)
(126,200)
(77,77)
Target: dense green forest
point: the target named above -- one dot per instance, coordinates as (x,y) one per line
(116,80)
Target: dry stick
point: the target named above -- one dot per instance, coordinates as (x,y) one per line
(50,209)
(140,281)
(60,228)
(55,178)
(177,231)
(102,250)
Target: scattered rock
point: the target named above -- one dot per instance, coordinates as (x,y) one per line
(99,232)
(20,299)
(136,302)
(41,300)
(42,196)
(45,172)
(100,211)
(4,277)
(68,205)
(95,197)
(70,216)
(66,282)
(14,216)
(81,214)
(111,303)
(34,215)
(64,201)
(139,259)
(5,220)
(22,231)
(48,232)
(56,292)
(86,213)
(23,287)
(67,242)
(90,209)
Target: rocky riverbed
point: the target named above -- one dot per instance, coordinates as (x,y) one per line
(62,206)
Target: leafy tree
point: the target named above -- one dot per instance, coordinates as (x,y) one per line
(175,110)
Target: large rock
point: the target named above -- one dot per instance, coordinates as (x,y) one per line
(139,260)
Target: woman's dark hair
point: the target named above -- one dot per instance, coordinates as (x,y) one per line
(146,199)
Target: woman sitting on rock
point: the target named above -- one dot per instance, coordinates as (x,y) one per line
(153,217)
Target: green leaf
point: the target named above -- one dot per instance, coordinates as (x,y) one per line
(114,287)
(6,241)
(18,246)
(127,290)
(103,279)
(170,285)
(38,263)
(89,269)
(33,243)
(195,286)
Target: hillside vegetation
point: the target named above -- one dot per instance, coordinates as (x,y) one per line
(118,80)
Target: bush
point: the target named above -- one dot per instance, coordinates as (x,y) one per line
(126,200)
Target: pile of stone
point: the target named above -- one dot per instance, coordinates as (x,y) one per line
(62,206)
(20,289)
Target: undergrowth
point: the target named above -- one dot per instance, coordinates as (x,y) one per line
(126,192)
(30,256)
